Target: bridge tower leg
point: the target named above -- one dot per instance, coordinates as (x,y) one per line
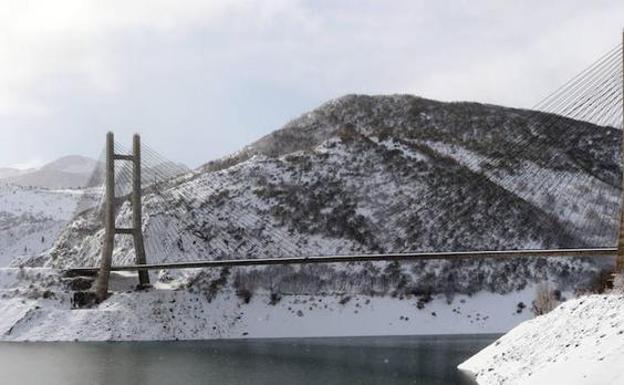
(101,286)
(110,229)
(137,212)
(619,266)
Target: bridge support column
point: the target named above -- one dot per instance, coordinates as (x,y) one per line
(110,230)
(137,212)
(101,287)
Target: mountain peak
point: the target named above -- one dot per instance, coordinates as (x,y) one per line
(71,164)
(71,171)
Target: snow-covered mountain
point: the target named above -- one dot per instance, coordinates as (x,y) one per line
(36,204)
(363,174)
(71,171)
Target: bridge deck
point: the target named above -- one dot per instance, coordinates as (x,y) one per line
(595,252)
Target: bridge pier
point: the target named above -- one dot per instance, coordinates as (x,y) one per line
(137,211)
(110,230)
(101,286)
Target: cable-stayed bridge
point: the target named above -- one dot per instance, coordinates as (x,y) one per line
(568,129)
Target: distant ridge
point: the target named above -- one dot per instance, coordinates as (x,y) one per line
(71,171)
(8,172)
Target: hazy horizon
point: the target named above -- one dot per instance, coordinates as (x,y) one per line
(203,80)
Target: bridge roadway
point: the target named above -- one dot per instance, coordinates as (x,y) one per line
(588,252)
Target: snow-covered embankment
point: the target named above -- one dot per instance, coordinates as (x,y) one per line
(37,306)
(581,342)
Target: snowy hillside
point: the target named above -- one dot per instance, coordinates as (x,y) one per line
(529,154)
(31,219)
(367,174)
(580,342)
(372,174)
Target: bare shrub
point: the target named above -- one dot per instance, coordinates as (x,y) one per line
(618,282)
(274,298)
(244,294)
(545,299)
(205,284)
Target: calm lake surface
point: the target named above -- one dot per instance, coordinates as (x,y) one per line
(430,360)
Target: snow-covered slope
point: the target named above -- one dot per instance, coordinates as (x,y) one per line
(32,218)
(35,305)
(581,342)
(368,174)
(364,174)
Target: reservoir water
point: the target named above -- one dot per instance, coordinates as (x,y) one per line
(422,360)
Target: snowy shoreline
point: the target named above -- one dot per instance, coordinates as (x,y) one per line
(581,342)
(165,314)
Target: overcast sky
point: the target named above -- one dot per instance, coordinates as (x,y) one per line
(200,79)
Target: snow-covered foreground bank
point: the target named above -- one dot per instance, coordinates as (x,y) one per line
(581,342)
(35,307)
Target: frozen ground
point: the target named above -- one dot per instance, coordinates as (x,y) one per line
(35,306)
(581,342)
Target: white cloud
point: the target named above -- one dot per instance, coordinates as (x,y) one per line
(220,73)
(554,44)
(41,39)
